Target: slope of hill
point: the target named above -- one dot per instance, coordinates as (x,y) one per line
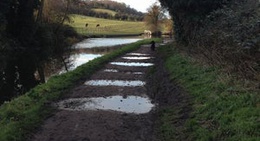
(97,26)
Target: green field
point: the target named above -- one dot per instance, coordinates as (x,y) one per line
(107,27)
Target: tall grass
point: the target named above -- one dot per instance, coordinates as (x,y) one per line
(20,117)
(222,109)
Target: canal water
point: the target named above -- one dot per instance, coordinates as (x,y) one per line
(104,42)
(88,50)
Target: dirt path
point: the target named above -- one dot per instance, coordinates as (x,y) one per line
(105,125)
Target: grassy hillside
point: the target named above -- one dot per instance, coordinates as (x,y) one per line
(110,12)
(107,27)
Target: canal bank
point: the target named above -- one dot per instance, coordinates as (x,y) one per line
(21,116)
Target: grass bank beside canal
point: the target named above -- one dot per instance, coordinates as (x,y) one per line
(220,107)
(20,117)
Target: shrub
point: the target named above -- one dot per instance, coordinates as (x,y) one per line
(231,38)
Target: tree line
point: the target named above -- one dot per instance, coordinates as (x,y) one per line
(123,12)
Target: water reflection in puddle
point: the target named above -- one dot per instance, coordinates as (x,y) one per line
(110,70)
(132,64)
(138,73)
(120,83)
(114,70)
(129,104)
(137,58)
(137,54)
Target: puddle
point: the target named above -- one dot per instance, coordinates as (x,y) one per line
(110,70)
(137,58)
(138,73)
(120,83)
(114,70)
(128,104)
(132,64)
(137,54)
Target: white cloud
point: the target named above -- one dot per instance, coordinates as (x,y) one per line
(139,5)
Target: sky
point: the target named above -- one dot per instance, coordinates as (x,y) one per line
(139,5)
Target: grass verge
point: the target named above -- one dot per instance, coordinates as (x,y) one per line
(221,110)
(20,117)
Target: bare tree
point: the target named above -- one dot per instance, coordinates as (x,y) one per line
(153,18)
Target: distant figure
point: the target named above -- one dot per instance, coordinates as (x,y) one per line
(86,25)
(153,46)
(97,25)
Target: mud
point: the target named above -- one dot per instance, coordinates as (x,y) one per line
(104,123)
(113,125)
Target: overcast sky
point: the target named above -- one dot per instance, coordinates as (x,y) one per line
(139,5)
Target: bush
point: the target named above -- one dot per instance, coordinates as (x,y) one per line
(223,33)
(231,38)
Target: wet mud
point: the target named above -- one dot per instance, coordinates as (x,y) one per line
(113,105)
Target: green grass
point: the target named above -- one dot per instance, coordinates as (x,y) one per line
(110,12)
(107,27)
(20,117)
(220,111)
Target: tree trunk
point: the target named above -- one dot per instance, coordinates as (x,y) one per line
(40,69)
(40,12)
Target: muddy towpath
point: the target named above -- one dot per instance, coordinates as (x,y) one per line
(113,105)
